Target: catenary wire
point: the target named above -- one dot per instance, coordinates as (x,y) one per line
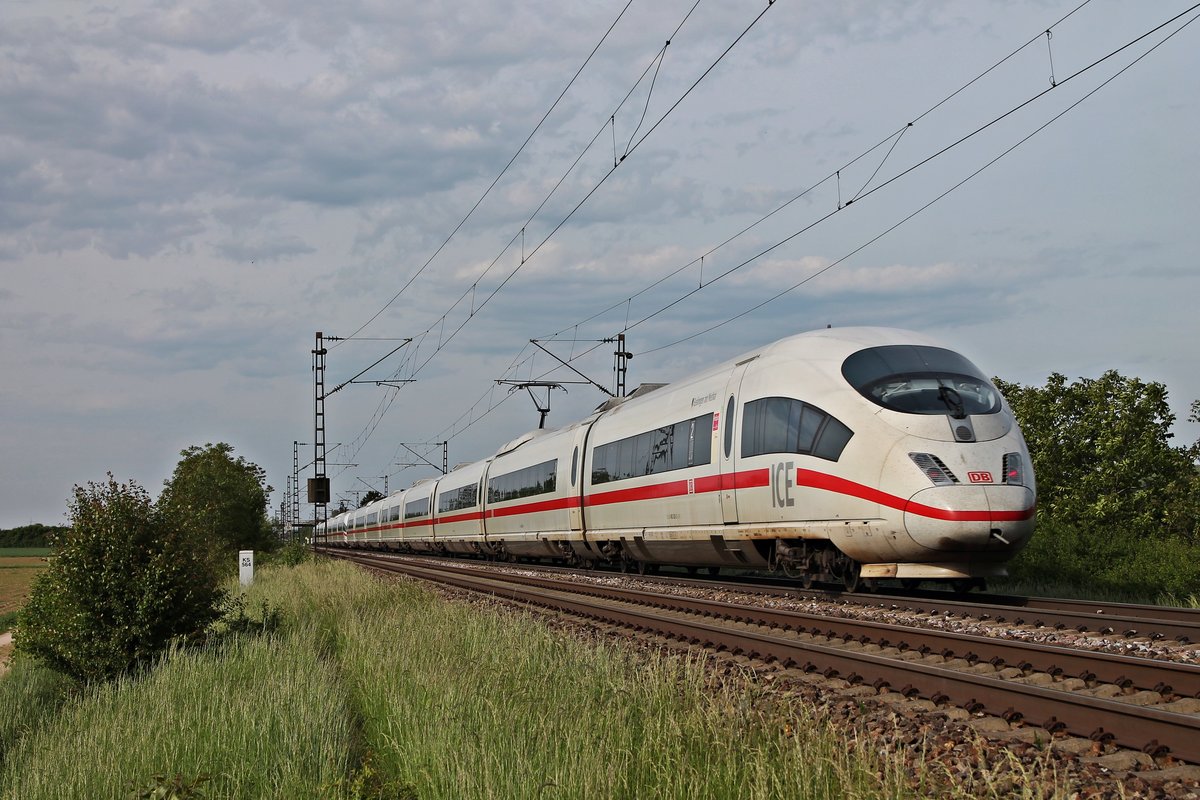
(893,137)
(910,216)
(912,168)
(444,340)
(969,177)
(918,211)
(492,185)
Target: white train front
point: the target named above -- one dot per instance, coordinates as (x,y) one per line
(851,454)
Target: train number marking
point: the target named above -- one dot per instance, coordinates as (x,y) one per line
(979,477)
(782,481)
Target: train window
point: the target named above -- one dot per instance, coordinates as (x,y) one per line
(662,450)
(458,499)
(834,437)
(784,425)
(625,458)
(643,449)
(604,464)
(417,508)
(671,447)
(729,426)
(701,440)
(679,448)
(538,479)
(574,465)
(917,379)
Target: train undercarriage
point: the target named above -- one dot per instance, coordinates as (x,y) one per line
(808,562)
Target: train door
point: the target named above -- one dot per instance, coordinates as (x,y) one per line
(724,432)
(578,478)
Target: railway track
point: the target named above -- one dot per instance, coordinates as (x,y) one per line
(1131,702)
(1131,621)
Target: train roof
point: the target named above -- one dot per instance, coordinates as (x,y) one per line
(824,344)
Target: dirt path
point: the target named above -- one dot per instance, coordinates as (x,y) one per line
(5,651)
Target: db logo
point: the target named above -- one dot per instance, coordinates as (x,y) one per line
(979,477)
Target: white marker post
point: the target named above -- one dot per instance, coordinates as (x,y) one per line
(246,567)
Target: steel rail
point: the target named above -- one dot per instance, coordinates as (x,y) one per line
(1129,620)
(1161,676)
(1139,727)
(1060,615)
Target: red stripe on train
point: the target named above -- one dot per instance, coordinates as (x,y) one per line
(746,479)
(830,483)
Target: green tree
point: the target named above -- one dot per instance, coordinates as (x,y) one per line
(370,497)
(1102,455)
(123,584)
(219,501)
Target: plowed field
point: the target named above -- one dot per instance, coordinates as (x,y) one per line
(16,575)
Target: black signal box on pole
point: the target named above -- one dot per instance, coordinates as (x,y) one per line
(318,490)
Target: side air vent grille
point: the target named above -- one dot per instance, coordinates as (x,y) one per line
(934,469)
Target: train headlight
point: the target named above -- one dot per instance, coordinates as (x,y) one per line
(1014,469)
(934,469)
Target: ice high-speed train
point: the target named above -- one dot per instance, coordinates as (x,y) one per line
(853,455)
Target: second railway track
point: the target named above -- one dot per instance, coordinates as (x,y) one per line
(1131,702)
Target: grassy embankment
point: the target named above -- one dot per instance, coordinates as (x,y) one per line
(373,689)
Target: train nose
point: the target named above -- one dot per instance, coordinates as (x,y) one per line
(987,518)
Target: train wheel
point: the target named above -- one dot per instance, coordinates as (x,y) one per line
(852,579)
(807,579)
(855,582)
(910,583)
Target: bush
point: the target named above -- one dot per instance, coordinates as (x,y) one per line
(1108,560)
(123,585)
(292,554)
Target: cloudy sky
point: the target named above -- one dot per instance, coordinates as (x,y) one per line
(188,191)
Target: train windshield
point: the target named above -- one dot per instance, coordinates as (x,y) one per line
(916,379)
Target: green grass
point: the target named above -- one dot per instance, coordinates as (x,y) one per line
(30,696)
(382,690)
(258,717)
(455,703)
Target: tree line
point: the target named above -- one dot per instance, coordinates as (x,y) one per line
(35,535)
